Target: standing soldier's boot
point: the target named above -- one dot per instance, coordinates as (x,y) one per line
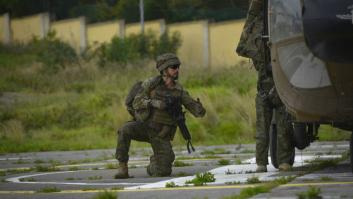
(123,171)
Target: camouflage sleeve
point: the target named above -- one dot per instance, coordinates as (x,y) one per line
(142,100)
(194,106)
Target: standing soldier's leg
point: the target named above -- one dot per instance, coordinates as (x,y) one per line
(285,147)
(263,122)
(130,131)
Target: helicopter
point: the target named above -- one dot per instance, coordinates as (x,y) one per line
(311,50)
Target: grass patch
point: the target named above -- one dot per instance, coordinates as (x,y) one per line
(253,180)
(40,168)
(53,111)
(201,179)
(2,173)
(49,190)
(311,193)
(106,195)
(215,151)
(95,178)
(170,184)
(232,183)
(326,178)
(178,163)
(111,166)
(223,162)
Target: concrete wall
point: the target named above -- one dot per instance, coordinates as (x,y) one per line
(224,38)
(103,32)
(5,35)
(203,44)
(24,29)
(194,50)
(72,31)
(156,26)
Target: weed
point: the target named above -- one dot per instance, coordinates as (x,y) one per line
(326,178)
(201,179)
(170,184)
(49,190)
(238,161)
(311,193)
(74,168)
(215,151)
(38,161)
(253,180)
(232,183)
(251,191)
(284,180)
(178,163)
(95,177)
(106,195)
(116,188)
(223,162)
(2,173)
(111,166)
(40,168)
(229,172)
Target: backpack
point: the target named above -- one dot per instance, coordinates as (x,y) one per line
(134,90)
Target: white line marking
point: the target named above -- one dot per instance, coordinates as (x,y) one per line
(17,180)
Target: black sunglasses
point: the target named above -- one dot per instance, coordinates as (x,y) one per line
(174,67)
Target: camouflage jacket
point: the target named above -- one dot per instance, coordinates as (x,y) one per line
(250,44)
(154,88)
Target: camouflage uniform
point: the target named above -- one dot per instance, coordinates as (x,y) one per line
(251,46)
(155,125)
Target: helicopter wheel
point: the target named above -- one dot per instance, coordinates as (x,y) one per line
(273,147)
(351,151)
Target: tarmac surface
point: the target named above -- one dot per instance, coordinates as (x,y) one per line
(83,174)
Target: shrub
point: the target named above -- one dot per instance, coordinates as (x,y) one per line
(53,52)
(135,47)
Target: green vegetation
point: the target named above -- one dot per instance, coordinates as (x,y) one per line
(223,162)
(60,102)
(111,166)
(201,179)
(40,168)
(95,178)
(215,151)
(263,188)
(106,195)
(170,184)
(326,178)
(178,163)
(49,190)
(253,180)
(311,193)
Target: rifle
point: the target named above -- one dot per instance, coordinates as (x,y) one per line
(174,109)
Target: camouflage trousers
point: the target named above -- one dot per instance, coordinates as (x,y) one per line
(159,136)
(265,110)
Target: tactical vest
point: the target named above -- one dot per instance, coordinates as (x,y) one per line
(160,92)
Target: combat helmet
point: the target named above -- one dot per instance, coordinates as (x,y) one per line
(166,60)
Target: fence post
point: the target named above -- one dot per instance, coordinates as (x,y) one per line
(206,44)
(122,28)
(45,25)
(83,34)
(6,34)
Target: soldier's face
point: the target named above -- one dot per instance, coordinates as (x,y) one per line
(173,72)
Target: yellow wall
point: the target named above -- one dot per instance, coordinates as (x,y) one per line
(104,32)
(71,31)
(192,50)
(224,38)
(2,28)
(24,29)
(135,28)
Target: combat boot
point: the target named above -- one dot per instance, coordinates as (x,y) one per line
(285,167)
(123,171)
(261,168)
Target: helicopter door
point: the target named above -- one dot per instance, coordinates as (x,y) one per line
(328,29)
